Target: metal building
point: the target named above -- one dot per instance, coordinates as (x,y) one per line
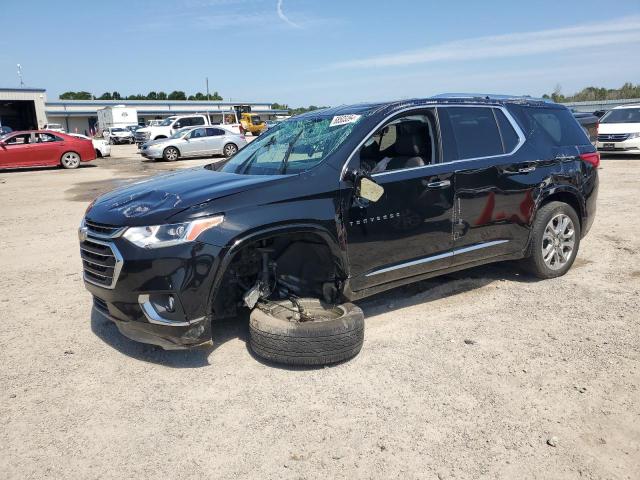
(28,108)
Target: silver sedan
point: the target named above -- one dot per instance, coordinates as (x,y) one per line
(195,142)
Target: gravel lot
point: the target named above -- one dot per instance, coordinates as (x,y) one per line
(472,375)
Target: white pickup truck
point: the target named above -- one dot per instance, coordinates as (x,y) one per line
(170,125)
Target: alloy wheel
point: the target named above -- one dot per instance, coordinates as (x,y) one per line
(230,150)
(558,241)
(70,160)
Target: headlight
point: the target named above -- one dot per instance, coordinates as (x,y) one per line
(166,235)
(634,135)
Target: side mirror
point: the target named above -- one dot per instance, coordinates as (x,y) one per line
(176,126)
(369,190)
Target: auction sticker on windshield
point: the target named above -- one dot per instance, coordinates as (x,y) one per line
(344,119)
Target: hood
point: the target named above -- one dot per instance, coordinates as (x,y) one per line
(618,128)
(154,201)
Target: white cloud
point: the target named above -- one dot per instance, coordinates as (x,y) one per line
(620,31)
(283,17)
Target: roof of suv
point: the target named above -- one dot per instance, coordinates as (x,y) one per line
(449,98)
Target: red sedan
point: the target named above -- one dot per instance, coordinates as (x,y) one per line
(39,148)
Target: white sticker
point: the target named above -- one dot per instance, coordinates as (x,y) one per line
(344,119)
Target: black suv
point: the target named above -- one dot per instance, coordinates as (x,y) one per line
(336,205)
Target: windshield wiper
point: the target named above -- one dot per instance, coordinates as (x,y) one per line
(285,160)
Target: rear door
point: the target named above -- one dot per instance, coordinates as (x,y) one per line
(47,149)
(494,180)
(215,140)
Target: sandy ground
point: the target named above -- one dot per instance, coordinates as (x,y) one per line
(466,376)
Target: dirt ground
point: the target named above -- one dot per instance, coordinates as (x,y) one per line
(472,375)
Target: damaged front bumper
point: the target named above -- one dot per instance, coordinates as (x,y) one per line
(163,301)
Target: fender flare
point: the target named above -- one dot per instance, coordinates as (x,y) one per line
(551,191)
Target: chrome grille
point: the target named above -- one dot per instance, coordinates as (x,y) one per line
(613,137)
(101,262)
(102,229)
(142,136)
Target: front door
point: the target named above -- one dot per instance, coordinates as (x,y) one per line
(196,144)
(408,231)
(16,151)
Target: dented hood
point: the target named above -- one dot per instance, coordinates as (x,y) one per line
(155,200)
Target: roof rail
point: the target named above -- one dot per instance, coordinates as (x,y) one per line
(490,96)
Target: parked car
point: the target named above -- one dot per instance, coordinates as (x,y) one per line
(600,113)
(38,148)
(336,205)
(53,127)
(118,135)
(169,126)
(194,142)
(620,130)
(589,122)
(102,147)
(134,128)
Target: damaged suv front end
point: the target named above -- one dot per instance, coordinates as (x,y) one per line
(154,252)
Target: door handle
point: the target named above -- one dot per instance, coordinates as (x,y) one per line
(526,169)
(439,184)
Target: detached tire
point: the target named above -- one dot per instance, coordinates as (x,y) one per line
(335,334)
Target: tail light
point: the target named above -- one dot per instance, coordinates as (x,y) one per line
(591,158)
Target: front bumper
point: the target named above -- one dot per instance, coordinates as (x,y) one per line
(146,279)
(150,153)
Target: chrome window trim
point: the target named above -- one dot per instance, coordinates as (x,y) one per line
(440,256)
(116,269)
(510,118)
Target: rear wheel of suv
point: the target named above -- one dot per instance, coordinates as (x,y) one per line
(555,241)
(321,335)
(229,149)
(170,154)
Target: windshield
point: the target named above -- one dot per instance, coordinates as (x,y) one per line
(166,122)
(256,120)
(292,147)
(181,132)
(54,125)
(622,115)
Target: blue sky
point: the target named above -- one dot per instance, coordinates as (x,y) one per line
(322,52)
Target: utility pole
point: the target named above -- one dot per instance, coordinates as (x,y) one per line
(20,76)
(207,81)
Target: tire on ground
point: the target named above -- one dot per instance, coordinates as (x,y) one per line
(274,335)
(534,263)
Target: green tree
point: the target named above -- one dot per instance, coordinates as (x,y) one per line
(216,97)
(116,96)
(162,96)
(152,95)
(105,96)
(177,95)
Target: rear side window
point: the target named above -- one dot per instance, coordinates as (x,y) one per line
(214,132)
(197,121)
(555,126)
(469,132)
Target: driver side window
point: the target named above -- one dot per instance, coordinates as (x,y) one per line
(405,142)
